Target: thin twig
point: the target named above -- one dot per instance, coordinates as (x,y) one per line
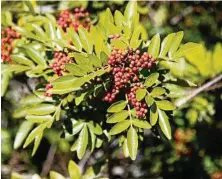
(195,92)
(49,160)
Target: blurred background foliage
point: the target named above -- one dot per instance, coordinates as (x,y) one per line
(196,148)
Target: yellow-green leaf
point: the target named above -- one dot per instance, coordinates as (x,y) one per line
(117,106)
(74,171)
(165,45)
(151,79)
(141,124)
(117,117)
(158,91)
(164,123)
(21,134)
(82,142)
(154,46)
(55,175)
(176,43)
(140,94)
(165,105)
(132,142)
(41,109)
(119,127)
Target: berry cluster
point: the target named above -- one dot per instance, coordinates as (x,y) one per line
(48,86)
(125,67)
(79,17)
(7,37)
(141,107)
(58,65)
(111,37)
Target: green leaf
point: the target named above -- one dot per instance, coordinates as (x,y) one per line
(95,61)
(80,98)
(149,100)
(130,12)
(140,94)
(64,81)
(125,148)
(19,113)
(41,109)
(217,64)
(104,58)
(77,127)
(82,142)
(151,80)
(95,128)
(93,139)
(37,131)
(21,134)
(165,105)
(176,43)
(158,91)
(165,45)
(154,46)
(74,171)
(75,38)
(6,76)
(117,43)
(141,124)
(109,16)
(188,47)
(118,117)
(132,142)
(74,146)
(153,114)
(117,106)
(85,40)
(164,123)
(36,57)
(38,139)
(135,42)
(119,127)
(55,175)
(50,30)
(39,32)
(22,60)
(119,18)
(75,69)
(38,119)
(30,100)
